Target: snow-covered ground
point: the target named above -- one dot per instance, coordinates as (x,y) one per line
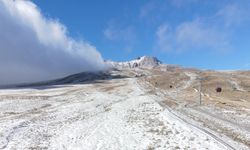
(115,114)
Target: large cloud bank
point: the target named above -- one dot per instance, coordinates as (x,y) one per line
(35,48)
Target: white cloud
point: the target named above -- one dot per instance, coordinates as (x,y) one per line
(164,38)
(211,32)
(115,33)
(234,14)
(190,35)
(35,48)
(122,35)
(199,34)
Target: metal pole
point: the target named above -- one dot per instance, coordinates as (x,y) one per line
(200,90)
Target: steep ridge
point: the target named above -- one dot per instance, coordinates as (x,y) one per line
(140,62)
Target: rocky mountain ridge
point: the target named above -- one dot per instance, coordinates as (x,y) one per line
(140,62)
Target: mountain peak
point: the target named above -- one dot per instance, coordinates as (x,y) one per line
(139,62)
(148,61)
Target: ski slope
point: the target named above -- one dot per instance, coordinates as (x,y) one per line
(111,115)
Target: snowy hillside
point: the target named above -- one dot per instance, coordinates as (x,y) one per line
(127,108)
(116,114)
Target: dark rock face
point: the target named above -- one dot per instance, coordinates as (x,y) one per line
(135,65)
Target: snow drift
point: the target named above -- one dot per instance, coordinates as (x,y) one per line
(35,48)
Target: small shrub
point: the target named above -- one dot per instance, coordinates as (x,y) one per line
(218,89)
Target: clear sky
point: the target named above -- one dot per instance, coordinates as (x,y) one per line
(208,34)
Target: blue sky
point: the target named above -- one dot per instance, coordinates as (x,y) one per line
(207,34)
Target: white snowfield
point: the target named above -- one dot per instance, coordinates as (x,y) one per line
(117,114)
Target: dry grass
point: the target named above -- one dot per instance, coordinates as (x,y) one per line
(235,96)
(230,95)
(167,79)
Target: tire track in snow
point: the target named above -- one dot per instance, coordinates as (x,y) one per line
(209,133)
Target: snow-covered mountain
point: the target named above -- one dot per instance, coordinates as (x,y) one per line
(140,62)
